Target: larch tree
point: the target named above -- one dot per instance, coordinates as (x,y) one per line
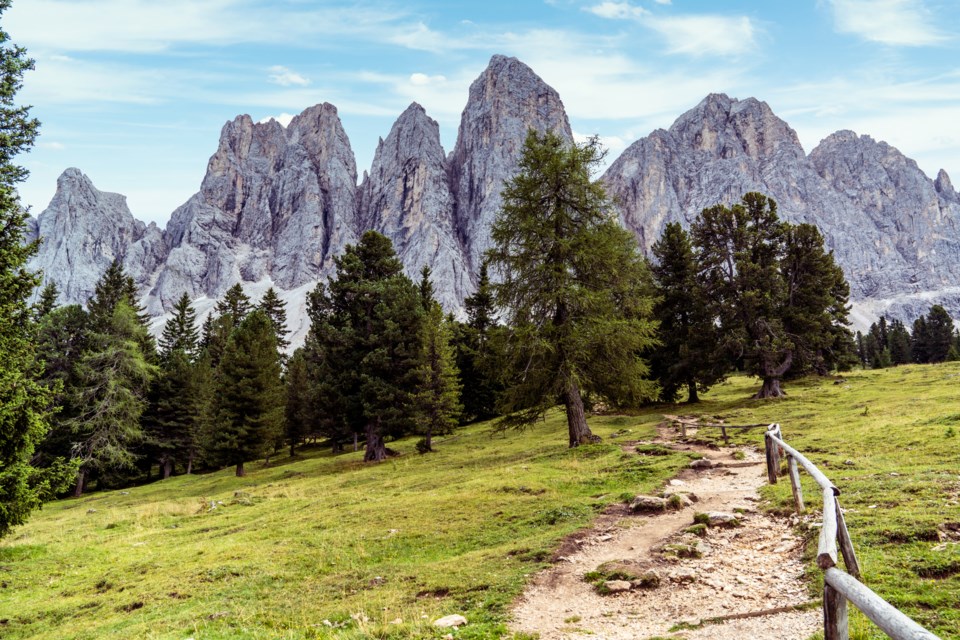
(248,394)
(364,345)
(687,356)
(573,287)
(24,400)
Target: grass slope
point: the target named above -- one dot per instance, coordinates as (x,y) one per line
(459,531)
(322,546)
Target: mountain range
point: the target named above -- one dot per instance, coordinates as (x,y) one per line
(277,203)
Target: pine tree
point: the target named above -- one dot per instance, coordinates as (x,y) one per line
(687,355)
(24,401)
(234,303)
(172,424)
(438,400)
(778,296)
(364,345)
(920,343)
(276,310)
(479,382)
(939,334)
(113,380)
(248,394)
(898,339)
(180,332)
(46,302)
(573,289)
(298,407)
(113,288)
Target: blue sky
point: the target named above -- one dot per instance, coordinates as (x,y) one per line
(134,92)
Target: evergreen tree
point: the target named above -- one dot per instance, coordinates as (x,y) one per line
(180,332)
(364,345)
(298,407)
(898,339)
(573,288)
(235,303)
(172,425)
(861,350)
(438,400)
(47,301)
(939,334)
(276,310)
(687,357)
(248,394)
(24,401)
(426,289)
(920,343)
(479,381)
(113,380)
(115,287)
(778,295)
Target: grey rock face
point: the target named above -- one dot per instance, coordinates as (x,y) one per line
(275,203)
(407,198)
(882,217)
(505,102)
(83,230)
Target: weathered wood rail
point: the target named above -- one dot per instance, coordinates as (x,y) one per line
(721,425)
(839,586)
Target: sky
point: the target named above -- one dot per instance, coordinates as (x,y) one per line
(134,92)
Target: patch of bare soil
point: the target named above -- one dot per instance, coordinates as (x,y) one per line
(744,569)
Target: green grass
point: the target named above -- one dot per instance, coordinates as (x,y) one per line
(884,438)
(321,539)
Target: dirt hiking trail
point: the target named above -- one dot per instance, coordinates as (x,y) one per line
(742,569)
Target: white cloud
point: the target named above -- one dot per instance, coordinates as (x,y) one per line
(706,35)
(284,119)
(423,79)
(286,77)
(892,22)
(617,10)
(53,146)
(663,1)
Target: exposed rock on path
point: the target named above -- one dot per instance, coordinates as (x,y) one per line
(742,569)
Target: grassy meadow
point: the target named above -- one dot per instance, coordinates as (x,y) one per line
(321,546)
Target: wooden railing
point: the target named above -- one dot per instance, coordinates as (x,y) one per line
(839,586)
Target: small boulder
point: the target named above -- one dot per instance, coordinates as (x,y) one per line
(648,503)
(617,586)
(683,576)
(719,519)
(450,622)
(648,580)
(702,463)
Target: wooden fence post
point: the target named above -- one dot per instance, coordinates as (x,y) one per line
(835,625)
(726,440)
(846,545)
(795,484)
(772,462)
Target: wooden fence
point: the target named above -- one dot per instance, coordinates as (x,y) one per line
(839,586)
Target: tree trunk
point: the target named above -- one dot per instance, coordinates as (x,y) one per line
(167,467)
(292,448)
(190,464)
(356,446)
(81,480)
(240,471)
(376,449)
(692,395)
(770,389)
(576,420)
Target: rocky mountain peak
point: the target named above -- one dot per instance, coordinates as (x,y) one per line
(944,186)
(506,101)
(83,230)
(407,197)
(726,127)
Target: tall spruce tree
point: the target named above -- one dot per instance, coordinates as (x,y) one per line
(276,310)
(920,343)
(939,334)
(898,339)
(479,381)
(778,296)
(438,399)
(46,302)
(298,411)
(180,332)
(364,345)
(114,378)
(24,401)
(248,394)
(574,289)
(687,356)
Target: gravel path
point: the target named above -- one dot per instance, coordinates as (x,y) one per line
(745,569)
